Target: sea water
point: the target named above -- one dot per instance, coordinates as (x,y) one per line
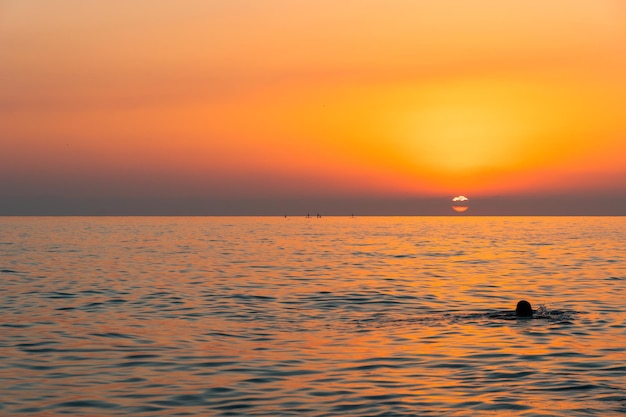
(332,316)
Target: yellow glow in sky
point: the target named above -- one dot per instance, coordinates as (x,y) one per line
(315,98)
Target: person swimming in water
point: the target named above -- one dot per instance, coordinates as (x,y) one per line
(524,309)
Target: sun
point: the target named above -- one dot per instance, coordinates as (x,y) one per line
(460,203)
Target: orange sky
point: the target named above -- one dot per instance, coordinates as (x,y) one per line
(312,98)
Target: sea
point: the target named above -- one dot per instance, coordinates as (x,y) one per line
(296,316)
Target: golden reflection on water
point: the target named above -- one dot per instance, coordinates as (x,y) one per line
(332,315)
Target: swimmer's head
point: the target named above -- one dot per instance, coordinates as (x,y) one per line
(524,309)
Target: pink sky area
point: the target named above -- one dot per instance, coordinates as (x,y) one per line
(283,107)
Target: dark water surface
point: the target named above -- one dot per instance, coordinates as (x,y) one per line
(375,316)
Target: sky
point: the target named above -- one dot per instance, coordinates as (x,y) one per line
(288,106)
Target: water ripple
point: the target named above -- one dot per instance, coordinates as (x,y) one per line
(263,316)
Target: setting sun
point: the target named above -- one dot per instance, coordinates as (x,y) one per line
(460,204)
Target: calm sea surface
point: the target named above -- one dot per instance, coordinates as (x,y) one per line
(272,316)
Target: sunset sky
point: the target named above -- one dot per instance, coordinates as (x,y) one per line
(283,107)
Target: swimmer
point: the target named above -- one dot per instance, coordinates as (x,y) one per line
(524,309)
